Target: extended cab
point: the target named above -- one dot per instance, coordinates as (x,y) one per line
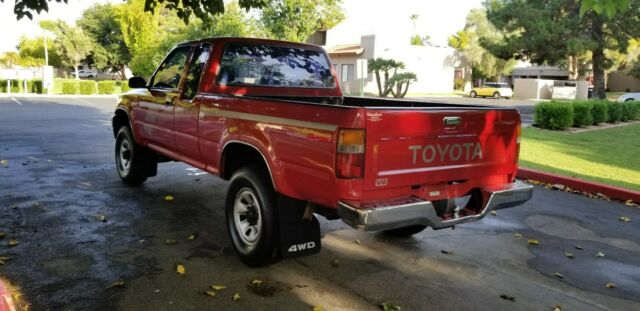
(270,117)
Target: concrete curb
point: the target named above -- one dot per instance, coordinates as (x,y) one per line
(581,185)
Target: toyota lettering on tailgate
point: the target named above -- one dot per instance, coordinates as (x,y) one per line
(445,153)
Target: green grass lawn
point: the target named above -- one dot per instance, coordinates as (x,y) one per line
(610,156)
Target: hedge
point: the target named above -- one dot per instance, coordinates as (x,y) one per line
(70,87)
(554,115)
(614,111)
(34,86)
(124,86)
(88,87)
(57,84)
(107,87)
(582,113)
(630,111)
(16,86)
(599,111)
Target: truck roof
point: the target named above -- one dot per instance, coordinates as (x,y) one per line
(253,40)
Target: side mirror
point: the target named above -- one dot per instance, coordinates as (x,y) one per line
(137,83)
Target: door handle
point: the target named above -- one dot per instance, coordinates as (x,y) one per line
(451,120)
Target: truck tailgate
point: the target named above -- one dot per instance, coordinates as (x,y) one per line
(422,146)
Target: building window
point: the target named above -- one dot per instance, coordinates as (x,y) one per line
(348,70)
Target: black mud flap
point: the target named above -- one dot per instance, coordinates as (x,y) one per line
(298,236)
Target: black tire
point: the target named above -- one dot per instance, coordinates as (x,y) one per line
(496,95)
(254,184)
(135,165)
(473,94)
(629,100)
(405,231)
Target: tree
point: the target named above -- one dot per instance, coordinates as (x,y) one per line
(396,84)
(73,43)
(34,48)
(550,32)
(481,63)
(9,59)
(203,9)
(296,20)
(110,52)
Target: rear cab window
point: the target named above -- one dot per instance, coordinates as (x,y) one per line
(264,65)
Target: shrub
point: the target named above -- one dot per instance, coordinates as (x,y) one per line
(458,84)
(554,115)
(34,86)
(124,86)
(107,87)
(88,87)
(614,111)
(70,87)
(16,86)
(630,111)
(582,113)
(57,84)
(599,111)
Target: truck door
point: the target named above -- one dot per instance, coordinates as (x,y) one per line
(187,107)
(154,112)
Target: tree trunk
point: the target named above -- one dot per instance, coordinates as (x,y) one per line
(598,60)
(387,87)
(123,73)
(76,68)
(406,88)
(377,73)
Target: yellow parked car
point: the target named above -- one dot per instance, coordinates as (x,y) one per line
(492,89)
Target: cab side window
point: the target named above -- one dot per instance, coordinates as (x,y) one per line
(198,62)
(168,74)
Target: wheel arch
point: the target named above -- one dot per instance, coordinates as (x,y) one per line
(237,154)
(120,118)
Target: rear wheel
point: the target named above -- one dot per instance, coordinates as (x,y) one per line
(133,162)
(473,94)
(629,100)
(496,95)
(251,217)
(405,231)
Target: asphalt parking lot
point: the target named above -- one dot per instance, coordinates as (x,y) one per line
(60,181)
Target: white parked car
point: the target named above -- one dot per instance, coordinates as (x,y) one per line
(86,73)
(629,97)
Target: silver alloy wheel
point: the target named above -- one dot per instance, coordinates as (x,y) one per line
(247,218)
(124,157)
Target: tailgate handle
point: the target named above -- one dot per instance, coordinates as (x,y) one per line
(451,120)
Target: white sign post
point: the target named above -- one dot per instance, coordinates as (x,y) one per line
(361,73)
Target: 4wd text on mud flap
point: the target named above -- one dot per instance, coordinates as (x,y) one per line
(300,247)
(450,152)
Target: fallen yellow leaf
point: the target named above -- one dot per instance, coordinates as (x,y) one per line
(168,198)
(569,255)
(191,237)
(494,213)
(2,234)
(4,258)
(218,287)
(599,254)
(625,219)
(4,163)
(317,308)
(210,293)
(357,241)
(116,284)
(628,202)
(13,243)
(102,218)
(558,275)
(386,306)
(518,235)
(235,297)
(611,285)
(557,308)
(256,282)
(533,242)
(181,269)
(1,262)
(170,242)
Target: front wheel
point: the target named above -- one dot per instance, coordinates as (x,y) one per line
(133,162)
(250,210)
(496,95)
(473,94)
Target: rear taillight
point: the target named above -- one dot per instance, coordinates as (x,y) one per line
(350,154)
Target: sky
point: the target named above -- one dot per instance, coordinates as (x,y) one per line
(438,19)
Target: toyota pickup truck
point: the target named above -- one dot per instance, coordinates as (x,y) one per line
(270,117)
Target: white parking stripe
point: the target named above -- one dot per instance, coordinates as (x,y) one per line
(17,101)
(83,101)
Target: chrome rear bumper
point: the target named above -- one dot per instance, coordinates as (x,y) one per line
(415,211)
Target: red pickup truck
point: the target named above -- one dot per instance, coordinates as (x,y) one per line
(270,117)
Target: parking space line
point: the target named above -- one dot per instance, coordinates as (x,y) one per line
(83,101)
(16,100)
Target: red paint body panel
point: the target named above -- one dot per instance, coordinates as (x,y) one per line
(298,140)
